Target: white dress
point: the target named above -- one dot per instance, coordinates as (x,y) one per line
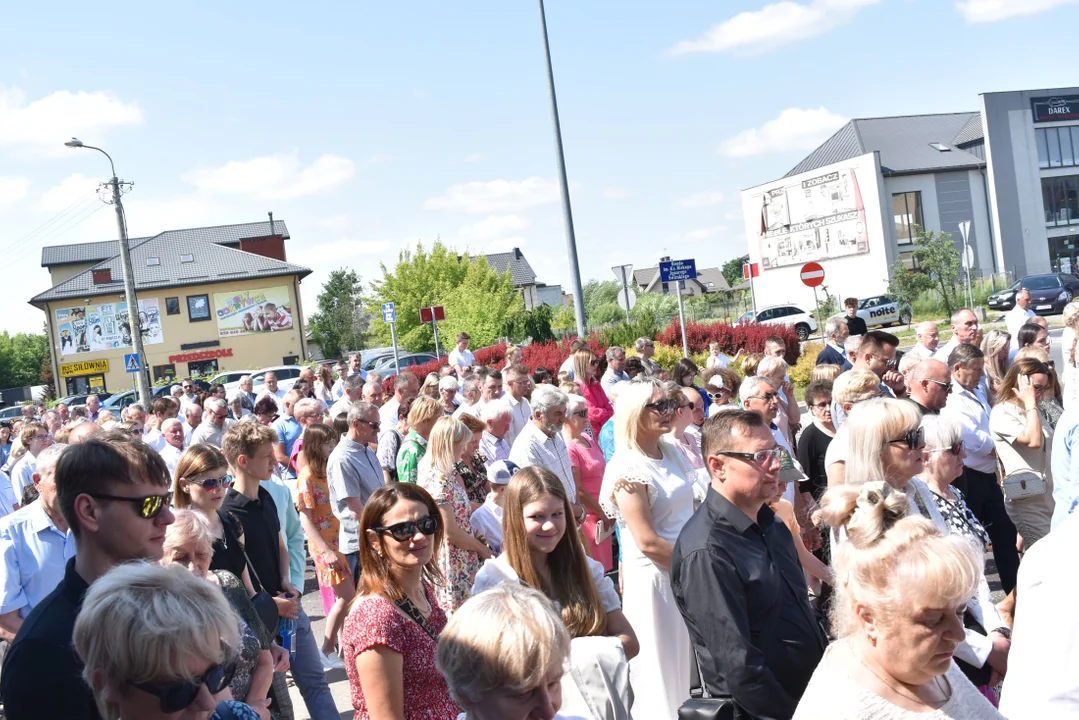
(660,673)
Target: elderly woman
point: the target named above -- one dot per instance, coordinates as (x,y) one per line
(473,466)
(585,365)
(995,347)
(648,488)
(1023,442)
(789,415)
(901,590)
(158,643)
(588,462)
(447,392)
(504,655)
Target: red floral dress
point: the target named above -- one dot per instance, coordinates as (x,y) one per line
(375,621)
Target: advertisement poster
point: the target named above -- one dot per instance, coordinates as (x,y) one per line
(252,311)
(816,218)
(93,328)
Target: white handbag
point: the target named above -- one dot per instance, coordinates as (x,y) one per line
(1023,482)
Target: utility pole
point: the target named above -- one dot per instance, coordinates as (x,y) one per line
(567,212)
(129,278)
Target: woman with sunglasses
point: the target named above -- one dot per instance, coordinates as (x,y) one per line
(322,528)
(684,431)
(586,374)
(202,479)
(159,644)
(1023,439)
(390,636)
(588,464)
(648,488)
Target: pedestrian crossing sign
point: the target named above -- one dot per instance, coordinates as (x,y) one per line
(131,362)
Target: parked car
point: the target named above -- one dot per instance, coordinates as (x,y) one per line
(73,400)
(166,389)
(373,358)
(882,311)
(803,322)
(286,377)
(11,413)
(119,401)
(229,377)
(388,369)
(1049,293)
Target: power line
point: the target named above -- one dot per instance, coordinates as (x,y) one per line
(78,219)
(51,221)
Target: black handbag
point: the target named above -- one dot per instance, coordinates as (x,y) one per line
(263,601)
(700,706)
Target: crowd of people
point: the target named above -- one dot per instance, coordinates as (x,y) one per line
(608,539)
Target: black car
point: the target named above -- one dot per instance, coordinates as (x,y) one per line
(1049,293)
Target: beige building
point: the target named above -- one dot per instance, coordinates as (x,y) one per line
(210,299)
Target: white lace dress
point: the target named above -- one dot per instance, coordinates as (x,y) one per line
(660,673)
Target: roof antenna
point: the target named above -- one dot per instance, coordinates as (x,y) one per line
(271,223)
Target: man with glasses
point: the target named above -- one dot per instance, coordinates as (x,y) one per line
(737,580)
(877,355)
(759,395)
(541,442)
(217,422)
(930,386)
(353,472)
(518,387)
(113,492)
(188,397)
(646,348)
(616,369)
(35,438)
(172,432)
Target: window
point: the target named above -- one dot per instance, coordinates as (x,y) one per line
(907,208)
(908,260)
(1054,147)
(164,372)
(203,367)
(187,258)
(290,360)
(198,308)
(151,261)
(172,306)
(1060,198)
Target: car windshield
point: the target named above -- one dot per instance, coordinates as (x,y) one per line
(748,317)
(1041,282)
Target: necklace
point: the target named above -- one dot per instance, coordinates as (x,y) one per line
(425,606)
(907,695)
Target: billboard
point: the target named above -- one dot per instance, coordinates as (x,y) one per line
(94,328)
(253,311)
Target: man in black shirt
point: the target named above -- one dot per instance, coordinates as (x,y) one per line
(737,580)
(113,490)
(855,325)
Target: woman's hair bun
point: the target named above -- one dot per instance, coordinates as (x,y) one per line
(866,512)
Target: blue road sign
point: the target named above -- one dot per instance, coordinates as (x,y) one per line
(131,362)
(389,313)
(675,270)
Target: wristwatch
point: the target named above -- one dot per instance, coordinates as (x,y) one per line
(1006,632)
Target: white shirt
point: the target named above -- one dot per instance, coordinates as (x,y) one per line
(718,361)
(387,416)
(921,351)
(22,474)
(969,410)
(520,414)
(486,522)
(781,440)
(338,389)
(945,350)
(566,367)
(8,501)
(1042,682)
(534,447)
(156,440)
(341,406)
(464,358)
(171,456)
(466,409)
(611,378)
(265,392)
(35,553)
(1015,319)
(209,433)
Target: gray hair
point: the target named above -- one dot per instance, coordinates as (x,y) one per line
(358,411)
(940,432)
(496,409)
(47,459)
(546,398)
(245,379)
(575,403)
(832,326)
(447,382)
(215,404)
(354,381)
(613,352)
(372,384)
(641,343)
(470,383)
(176,390)
(170,420)
(851,344)
(748,388)
(189,408)
(307,406)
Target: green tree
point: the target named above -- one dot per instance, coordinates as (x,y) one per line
(564,319)
(937,260)
(340,323)
(23,359)
(534,324)
(655,308)
(732,270)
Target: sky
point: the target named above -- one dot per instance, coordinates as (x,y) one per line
(369,126)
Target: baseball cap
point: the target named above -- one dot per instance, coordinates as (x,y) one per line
(501,471)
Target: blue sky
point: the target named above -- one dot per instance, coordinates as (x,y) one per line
(366,126)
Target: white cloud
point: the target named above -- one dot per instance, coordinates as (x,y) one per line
(495,196)
(794,129)
(12,190)
(71,189)
(46,123)
(774,25)
(705,233)
(617,193)
(495,233)
(274,177)
(975,11)
(701,199)
(473,157)
(347,247)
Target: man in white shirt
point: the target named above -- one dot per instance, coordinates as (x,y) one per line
(616,368)
(928,338)
(217,422)
(372,393)
(353,387)
(270,389)
(188,396)
(354,473)
(163,408)
(567,365)
(541,443)
(35,438)
(461,358)
(493,445)
(1018,315)
(518,387)
(192,420)
(172,431)
(470,396)
(405,387)
(491,389)
(964,331)
(978,482)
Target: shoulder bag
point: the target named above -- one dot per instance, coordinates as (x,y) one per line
(700,706)
(409,608)
(263,601)
(1023,482)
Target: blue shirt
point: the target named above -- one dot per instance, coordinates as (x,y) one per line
(1065,467)
(290,529)
(606,439)
(34,554)
(288,431)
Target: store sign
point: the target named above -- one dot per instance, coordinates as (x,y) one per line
(84,368)
(253,311)
(1056,108)
(196,356)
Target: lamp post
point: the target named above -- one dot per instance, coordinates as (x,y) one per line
(129,278)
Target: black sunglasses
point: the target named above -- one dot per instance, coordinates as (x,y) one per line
(179,694)
(405,531)
(224,481)
(914,439)
(663,406)
(954,449)
(149,506)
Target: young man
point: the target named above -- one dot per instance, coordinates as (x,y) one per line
(354,472)
(249,449)
(855,325)
(113,492)
(518,387)
(35,438)
(461,358)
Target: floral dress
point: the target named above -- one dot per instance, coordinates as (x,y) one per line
(474,473)
(314,496)
(458,566)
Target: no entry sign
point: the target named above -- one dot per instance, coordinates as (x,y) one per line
(812,274)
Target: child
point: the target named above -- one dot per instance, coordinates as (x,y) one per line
(716,359)
(721,385)
(487,518)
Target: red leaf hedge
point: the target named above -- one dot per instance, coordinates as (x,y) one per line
(748,337)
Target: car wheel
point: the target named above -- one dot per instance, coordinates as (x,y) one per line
(1068,296)
(904,318)
(803,331)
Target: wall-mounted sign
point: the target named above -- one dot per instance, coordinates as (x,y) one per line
(84,368)
(204,355)
(93,328)
(1055,108)
(252,311)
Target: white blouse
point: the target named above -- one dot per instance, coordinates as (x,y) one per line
(498,570)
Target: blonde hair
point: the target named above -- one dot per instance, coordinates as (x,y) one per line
(749,362)
(873,424)
(627,416)
(893,564)
(582,365)
(1033,352)
(771,366)
(145,623)
(996,367)
(448,439)
(196,460)
(855,386)
(424,408)
(504,640)
(826,371)
(1071,319)
(189,525)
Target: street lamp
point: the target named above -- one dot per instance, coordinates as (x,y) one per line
(129,278)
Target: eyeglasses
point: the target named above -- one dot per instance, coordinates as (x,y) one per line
(405,531)
(1040,388)
(914,439)
(663,406)
(211,484)
(718,394)
(580,414)
(954,449)
(148,508)
(179,694)
(760,456)
(690,405)
(947,386)
(821,405)
(767,397)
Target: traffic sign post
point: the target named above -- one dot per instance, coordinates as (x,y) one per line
(389,316)
(624,298)
(968,259)
(678,271)
(813,275)
(433,315)
(131,363)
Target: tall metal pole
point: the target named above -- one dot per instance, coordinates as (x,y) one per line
(567,212)
(682,320)
(434,326)
(625,291)
(129,292)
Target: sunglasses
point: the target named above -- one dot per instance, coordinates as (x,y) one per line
(954,449)
(947,386)
(663,406)
(913,439)
(179,694)
(405,531)
(719,394)
(148,507)
(821,405)
(224,481)
(767,397)
(690,405)
(759,457)
(373,425)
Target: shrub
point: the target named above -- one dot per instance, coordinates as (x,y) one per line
(625,335)
(802,371)
(748,337)
(666,356)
